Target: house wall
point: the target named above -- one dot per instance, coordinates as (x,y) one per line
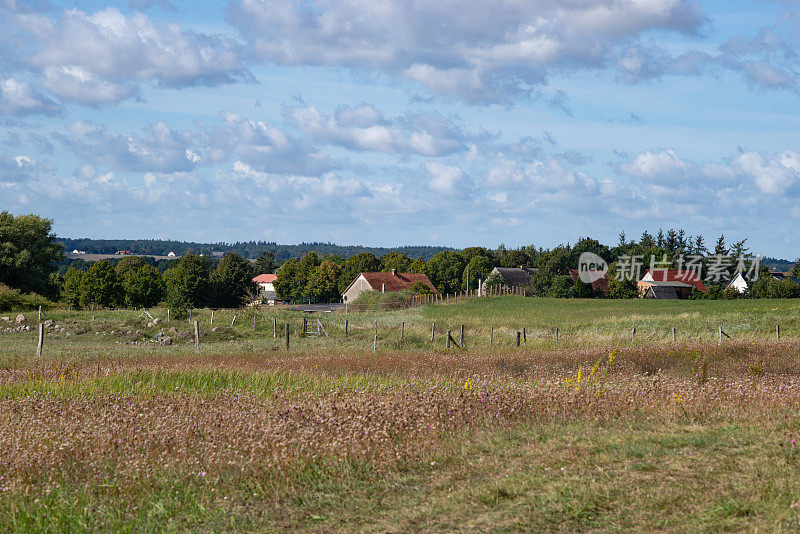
(356,288)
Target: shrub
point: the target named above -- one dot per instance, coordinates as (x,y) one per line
(376,301)
(14,299)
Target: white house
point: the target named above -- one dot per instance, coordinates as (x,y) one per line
(266,288)
(738,283)
(171,254)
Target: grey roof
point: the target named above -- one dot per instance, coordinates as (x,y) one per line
(661,292)
(271,295)
(669,284)
(515,277)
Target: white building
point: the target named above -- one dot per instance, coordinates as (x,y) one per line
(738,283)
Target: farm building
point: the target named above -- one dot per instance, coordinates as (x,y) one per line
(683,282)
(385,282)
(668,290)
(266,289)
(171,254)
(739,283)
(513,276)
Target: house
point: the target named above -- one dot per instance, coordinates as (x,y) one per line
(667,290)
(171,254)
(739,283)
(683,282)
(384,282)
(599,285)
(266,289)
(76,251)
(514,277)
(217,254)
(123,252)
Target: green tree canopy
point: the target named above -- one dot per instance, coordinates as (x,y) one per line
(265,264)
(395,260)
(28,253)
(144,287)
(71,291)
(322,284)
(445,271)
(479,268)
(101,286)
(232,281)
(515,258)
(188,280)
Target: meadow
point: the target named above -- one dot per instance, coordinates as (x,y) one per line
(110,430)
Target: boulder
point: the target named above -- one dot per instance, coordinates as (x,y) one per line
(5,318)
(166,340)
(156,321)
(20,318)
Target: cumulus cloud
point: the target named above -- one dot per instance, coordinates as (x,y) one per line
(266,147)
(101,57)
(20,98)
(364,128)
(474,50)
(157,149)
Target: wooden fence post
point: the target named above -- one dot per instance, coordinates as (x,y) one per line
(777,332)
(461,337)
(196,338)
(447,341)
(433,330)
(346,326)
(720,333)
(305,326)
(673,334)
(274,327)
(295,327)
(524,335)
(519,337)
(491,336)
(286,336)
(633,333)
(402,330)
(254,321)
(167,314)
(234,321)
(321,328)
(375,339)
(556,335)
(212,317)
(40,345)
(40,314)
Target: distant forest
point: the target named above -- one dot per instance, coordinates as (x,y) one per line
(248,249)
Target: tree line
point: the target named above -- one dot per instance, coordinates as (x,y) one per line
(30,255)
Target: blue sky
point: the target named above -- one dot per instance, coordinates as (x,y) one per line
(384,122)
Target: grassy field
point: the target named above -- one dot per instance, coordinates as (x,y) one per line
(111,431)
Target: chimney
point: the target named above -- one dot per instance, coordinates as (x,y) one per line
(394,272)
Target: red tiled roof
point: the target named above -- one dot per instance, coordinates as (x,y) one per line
(265,278)
(674,275)
(396,281)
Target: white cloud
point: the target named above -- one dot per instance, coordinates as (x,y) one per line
(475,50)
(102,57)
(158,149)
(20,98)
(773,175)
(364,128)
(446,179)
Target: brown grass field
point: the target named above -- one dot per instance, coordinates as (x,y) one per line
(597,433)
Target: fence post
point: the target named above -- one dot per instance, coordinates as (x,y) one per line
(234,321)
(433,330)
(375,339)
(556,335)
(519,336)
(40,314)
(274,327)
(491,337)
(720,334)
(346,326)
(286,336)
(777,332)
(524,335)
(305,326)
(633,333)
(40,345)
(254,321)
(673,334)
(447,342)
(212,317)
(196,338)
(402,330)
(167,314)
(461,338)
(295,327)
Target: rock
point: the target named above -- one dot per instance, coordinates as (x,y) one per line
(166,340)
(48,322)
(215,329)
(173,330)
(58,327)
(5,318)
(149,325)
(156,321)
(20,318)
(27,328)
